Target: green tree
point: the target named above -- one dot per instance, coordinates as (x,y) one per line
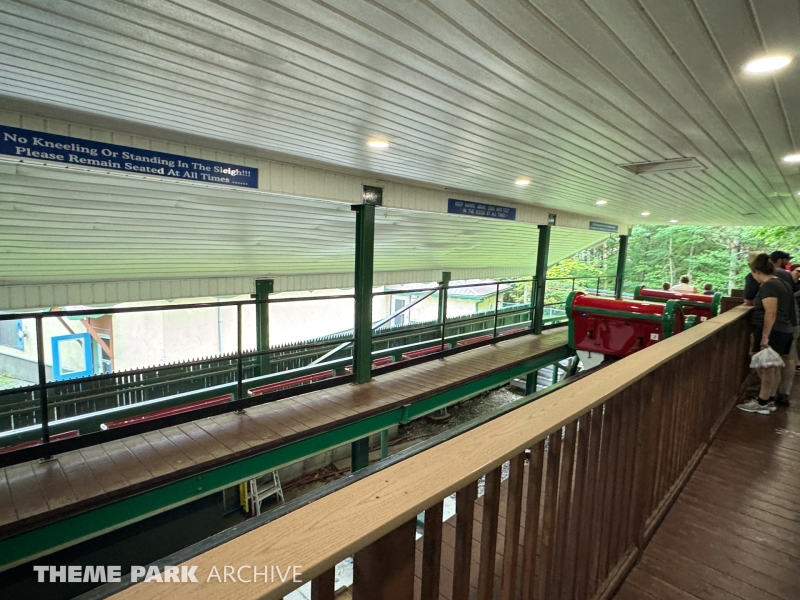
(658,254)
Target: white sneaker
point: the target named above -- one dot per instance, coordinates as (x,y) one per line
(771,406)
(752,406)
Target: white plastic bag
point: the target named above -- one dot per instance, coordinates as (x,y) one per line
(766,359)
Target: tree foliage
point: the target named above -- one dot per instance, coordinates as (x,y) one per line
(658,254)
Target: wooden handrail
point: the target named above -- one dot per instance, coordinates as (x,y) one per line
(318,536)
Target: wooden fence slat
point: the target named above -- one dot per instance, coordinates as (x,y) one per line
(322,587)
(384,570)
(491,507)
(643,473)
(465,520)
(564,497)
(548,512)
(513,522)
(613,407)
(533,504)
(586,527)
(629,457)
(432,552)
(575,513)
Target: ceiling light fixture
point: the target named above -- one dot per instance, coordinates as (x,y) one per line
(673,220)
(792,158)
(768,64)
(645,214)
(601,202)
(522,182)
(378,144)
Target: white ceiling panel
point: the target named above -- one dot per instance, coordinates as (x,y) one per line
(471,94)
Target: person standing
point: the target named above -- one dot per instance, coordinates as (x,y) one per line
(684,286)
(771,329)
(779,259)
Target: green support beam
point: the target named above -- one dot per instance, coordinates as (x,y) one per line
(365,250)
(384,444)
(362,347)
(71,530)
(531,380)
(621,259)
(264,287)
(541,278)
(359,454)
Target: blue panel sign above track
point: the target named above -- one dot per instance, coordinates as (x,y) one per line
(598,226)
(27,144)
(481,209)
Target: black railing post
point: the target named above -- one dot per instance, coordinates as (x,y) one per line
(443,285)
(541,277)
(42,380)
(496,307)
(239,367)
(621,259)
(533,300)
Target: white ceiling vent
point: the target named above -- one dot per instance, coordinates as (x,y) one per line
(671,164)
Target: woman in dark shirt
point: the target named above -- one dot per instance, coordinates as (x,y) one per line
(771,328)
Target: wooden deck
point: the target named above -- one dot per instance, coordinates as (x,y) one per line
(33,494)
(734,532)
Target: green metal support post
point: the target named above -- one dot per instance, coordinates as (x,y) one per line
(359,454)
(531,379)
(621,258)
(362,346)
(264,287)
(541,275)
(384,443)
(365,249)
(442,316)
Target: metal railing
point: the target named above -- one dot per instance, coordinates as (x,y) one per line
(72,401)
(558,288)
(52,407)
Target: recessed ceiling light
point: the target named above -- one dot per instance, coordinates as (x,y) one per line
(601,202)
(378,144)
(767,64)
(522,182)
(645,214)
(792,158)
(673,220)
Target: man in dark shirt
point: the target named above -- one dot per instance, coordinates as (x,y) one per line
(779,259)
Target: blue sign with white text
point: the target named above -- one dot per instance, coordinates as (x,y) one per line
(481,209)
(598,226)
(24,143)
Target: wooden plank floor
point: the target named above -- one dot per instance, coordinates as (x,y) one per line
(32,494)
(734,532)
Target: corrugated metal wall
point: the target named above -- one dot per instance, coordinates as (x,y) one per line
(73,236)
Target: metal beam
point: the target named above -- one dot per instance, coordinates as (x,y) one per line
(365,249)
(442,316)
(621,259)
(359,454)
(66,532)
(541,278)
(264,287)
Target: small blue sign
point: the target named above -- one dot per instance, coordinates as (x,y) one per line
(597,226)
(24,143)
(481,209)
